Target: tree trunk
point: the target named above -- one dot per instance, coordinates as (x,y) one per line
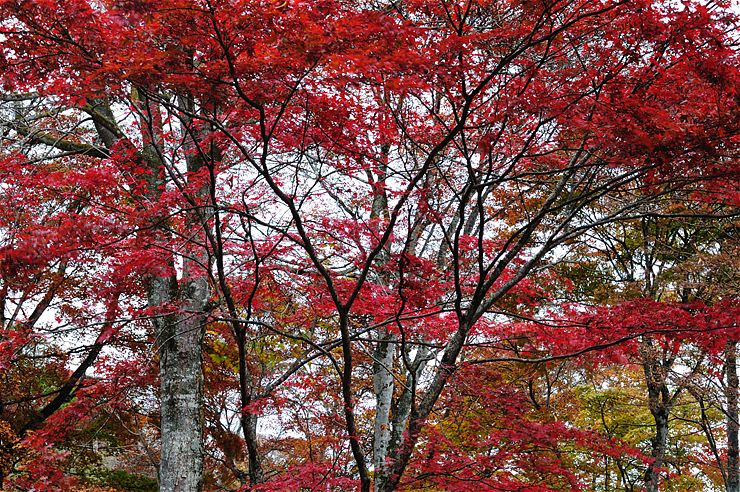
(248,419)
(180,334)
(401,413)
(731,389)
(181,397)
(659,442)
(348,399)
(179,343)
(656,364)
(383,387)
(384,352)
(401,451)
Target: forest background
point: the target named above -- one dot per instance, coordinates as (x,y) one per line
(339,245)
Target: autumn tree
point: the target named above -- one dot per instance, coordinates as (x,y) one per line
(366,187)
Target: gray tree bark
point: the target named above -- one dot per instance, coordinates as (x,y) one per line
(383,385)
(181,388)
(179,334)
(383,355)
(731,389)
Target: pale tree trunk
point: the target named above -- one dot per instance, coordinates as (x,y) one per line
(731,389)
(179,344)
(383,386)
(179,332)
(179,335)
(181,397)
(386,476)
(383,355)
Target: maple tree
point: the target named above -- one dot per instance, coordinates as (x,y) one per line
(657,259)
(345,217)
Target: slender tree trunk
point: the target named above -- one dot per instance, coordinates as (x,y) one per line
(404,406)
(656,364)
(247,419)
(659,442)
(401,451)
(731,389)
(383,387)
(349,405)
(384,352)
